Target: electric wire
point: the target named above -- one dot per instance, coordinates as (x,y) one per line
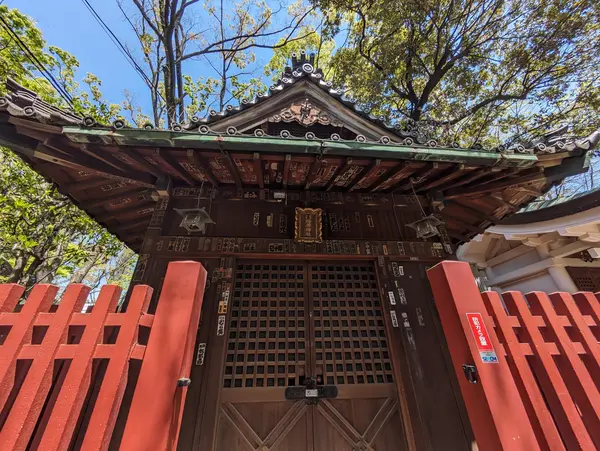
(37,63)
(122,48)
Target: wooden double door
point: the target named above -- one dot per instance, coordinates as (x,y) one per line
(289,321)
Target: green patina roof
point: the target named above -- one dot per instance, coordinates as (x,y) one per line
(173,139)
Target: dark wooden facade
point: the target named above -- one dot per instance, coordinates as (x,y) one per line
(354,310)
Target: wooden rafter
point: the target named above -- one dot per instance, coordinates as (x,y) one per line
(504,203)
(82,185)
(469,177)
(286,170)
(115,197)
(57,145)
(499,186)
(87,155)
(450,174)
(417,178)
(42,152)
(478,213)
(232,169)
(163,157)
(257,165)
(312,172)
(339,170)
(497,176)
(197,161)
(459,221)
(400,172)
(133,210)
(151,168)
(367,172)
(192,169)
(132,225)
(529,191)
(457,235)
(106,157)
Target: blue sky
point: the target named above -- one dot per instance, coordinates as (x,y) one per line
(69,25)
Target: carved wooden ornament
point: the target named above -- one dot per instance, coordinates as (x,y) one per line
(308,227)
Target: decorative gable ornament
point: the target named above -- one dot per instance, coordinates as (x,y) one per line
(304,113)
(194,219)
(426,227)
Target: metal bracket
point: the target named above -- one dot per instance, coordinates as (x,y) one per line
(183,382)
(312,391)
(471,373)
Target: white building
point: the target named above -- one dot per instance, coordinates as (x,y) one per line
(550,246)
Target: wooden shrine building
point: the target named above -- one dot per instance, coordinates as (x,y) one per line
(316,222)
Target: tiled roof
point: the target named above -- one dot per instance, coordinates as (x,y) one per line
(21,102)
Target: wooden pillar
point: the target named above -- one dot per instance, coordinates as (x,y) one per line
(155,414)
(494,404)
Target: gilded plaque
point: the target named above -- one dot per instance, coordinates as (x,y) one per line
(308,225)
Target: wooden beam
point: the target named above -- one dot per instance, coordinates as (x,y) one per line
(133,237)
(451,174)
(85,155)
(42,152)
(571,248)
(108,199)
(374,166)
(400,172)
(456,235)
(339,170)
(475,175)
(257,164)
(312,172)
(232,168)
(417,178)
(477,213)
(500,175)
(106,157)
(460,222)
(509,255)
(172,165)
(195,159)
(504,203)
(121,212)
(82,185)
(286,170)
(529,191)
(151,168)
(499,186)
(132,225)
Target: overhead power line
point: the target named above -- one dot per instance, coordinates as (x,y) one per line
(37,63)
(122,48)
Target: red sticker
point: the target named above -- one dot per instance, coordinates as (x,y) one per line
(482,338)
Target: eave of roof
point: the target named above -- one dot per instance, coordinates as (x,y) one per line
(267,144)
(555,208)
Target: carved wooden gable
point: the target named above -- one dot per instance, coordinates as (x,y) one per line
(307,113)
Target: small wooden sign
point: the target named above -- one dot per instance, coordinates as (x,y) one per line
(308,225)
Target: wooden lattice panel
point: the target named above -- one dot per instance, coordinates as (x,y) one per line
(350,341)
(268,330)
(585,279)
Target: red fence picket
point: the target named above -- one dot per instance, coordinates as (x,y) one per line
(47,361)
(539,387)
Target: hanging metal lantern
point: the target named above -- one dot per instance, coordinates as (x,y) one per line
(426,227)
(194,219)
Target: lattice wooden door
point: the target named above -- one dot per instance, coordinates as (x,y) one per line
(295,320)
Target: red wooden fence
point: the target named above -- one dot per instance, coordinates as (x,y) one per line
(49,364)
(537,361)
